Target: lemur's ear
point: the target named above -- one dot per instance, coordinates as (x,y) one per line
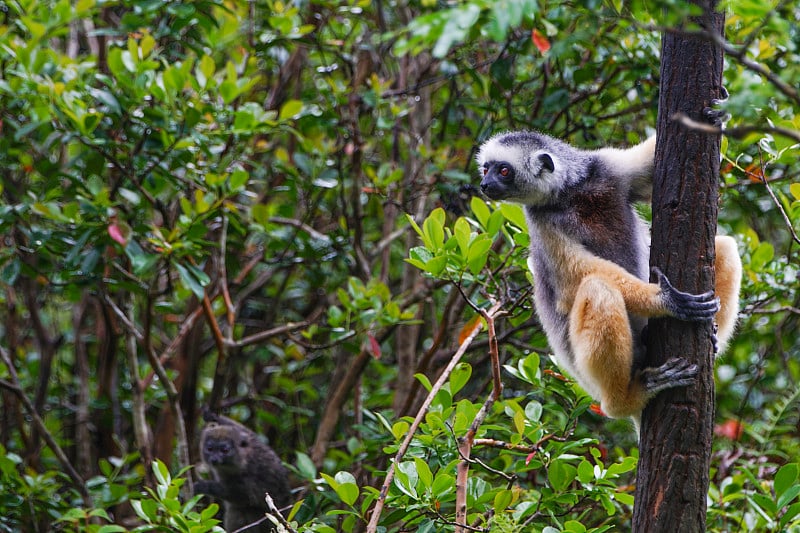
(547,162)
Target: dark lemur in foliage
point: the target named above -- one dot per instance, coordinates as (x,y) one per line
(589,258)
(244,468)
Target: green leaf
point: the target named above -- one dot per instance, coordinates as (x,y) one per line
(462,233)
(261,214)
(141,261)
(788,496)
(424,473)
(766,503)
(459,377)
(573,526)
(785,478)
(533,411)
(480,210)
(290,109)
(794,189)
(106,98)
(423,379)
(459,21)
(406,478)
(204,71)
(791,512)
(305,466)
(436,265)
(519,422)
(495,222)
(343,484)
(560,474)
(147,43)
(238,179)
(415,226)
(585,472)
(348,488)
(433,229)
(502,500)
(400,429)
(478,253)
(529,368)
(762,255)
(194,279)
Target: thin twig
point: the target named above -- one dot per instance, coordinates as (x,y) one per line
(262,336)
(223,278)
(524,448)
(739,55)
(275,515)
(465,443)
(734,133)
(777,202)
(301,226)
(736,53)
(379,504)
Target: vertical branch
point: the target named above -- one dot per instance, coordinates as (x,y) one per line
(221,370)
(47,350)
(83,438)
(677,427)
(172,395)
(230,309)
(412,71)
(141,431)
(334,403)
(466,442)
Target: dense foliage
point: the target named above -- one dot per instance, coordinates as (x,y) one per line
(264,208)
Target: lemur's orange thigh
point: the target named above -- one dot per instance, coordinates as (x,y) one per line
(603,343)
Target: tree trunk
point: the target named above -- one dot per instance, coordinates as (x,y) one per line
(676,432)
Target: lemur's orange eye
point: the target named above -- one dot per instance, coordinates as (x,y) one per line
(504,171)
(485,171)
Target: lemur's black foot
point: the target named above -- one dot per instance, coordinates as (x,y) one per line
(676,372)
(714,340)
(717,117)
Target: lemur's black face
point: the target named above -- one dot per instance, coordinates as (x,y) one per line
(498,179)
(223,452)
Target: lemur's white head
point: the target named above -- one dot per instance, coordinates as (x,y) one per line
(521,167)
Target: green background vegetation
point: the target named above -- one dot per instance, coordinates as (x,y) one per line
(210,204)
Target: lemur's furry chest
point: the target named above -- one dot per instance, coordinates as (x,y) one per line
(560,261)
(569,243)
(558,265)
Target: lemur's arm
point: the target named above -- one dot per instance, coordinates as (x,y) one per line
(634,165)
(655,300)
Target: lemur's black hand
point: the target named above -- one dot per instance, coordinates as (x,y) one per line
(686,306)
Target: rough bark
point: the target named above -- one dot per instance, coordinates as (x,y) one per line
(676,432)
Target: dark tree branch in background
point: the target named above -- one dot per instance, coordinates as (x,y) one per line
(677,426)
(14,387)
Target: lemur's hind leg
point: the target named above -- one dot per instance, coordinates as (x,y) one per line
(603,345)
(728,272)
(602,341)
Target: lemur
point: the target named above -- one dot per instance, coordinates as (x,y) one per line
(589,256)
(244,469)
